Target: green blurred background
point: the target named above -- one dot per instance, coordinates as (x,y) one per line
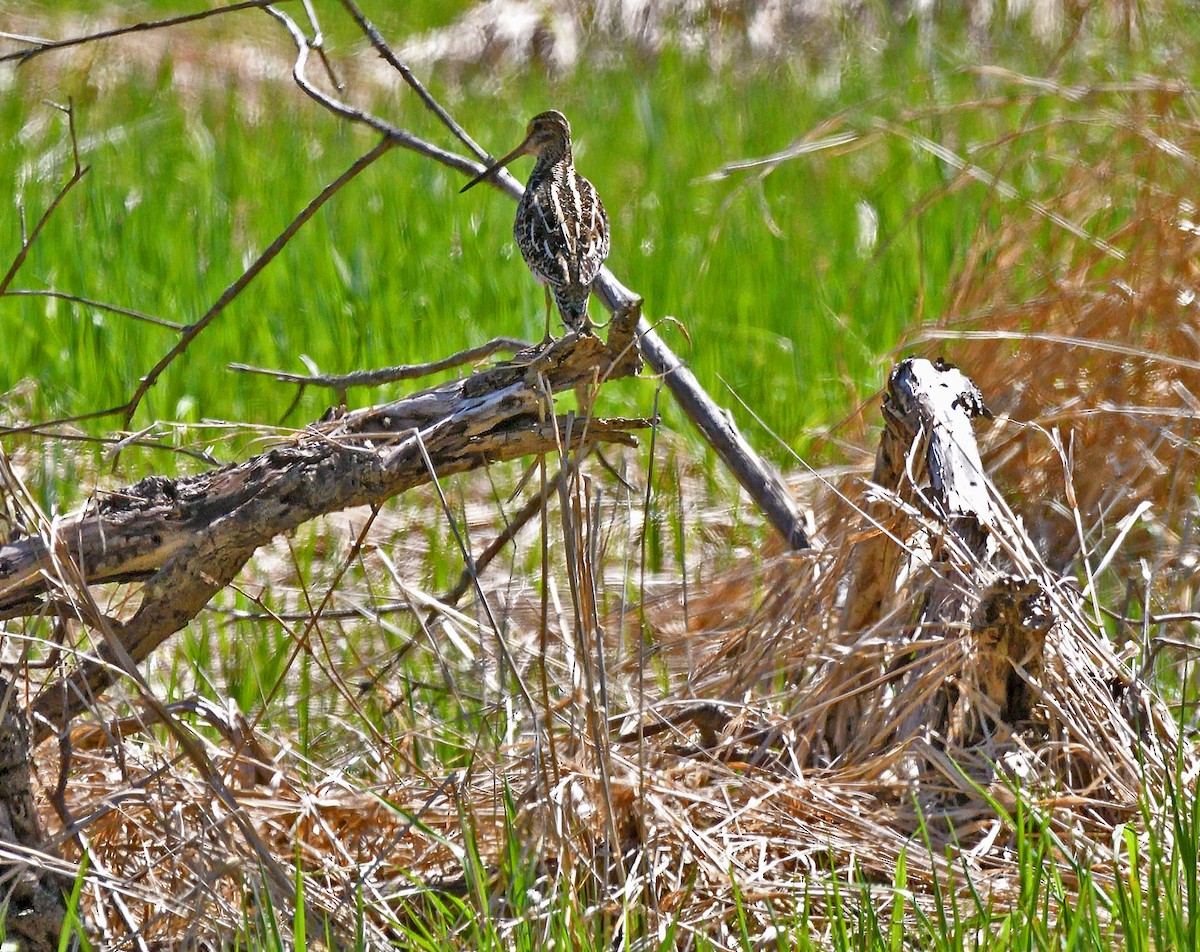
(793,290)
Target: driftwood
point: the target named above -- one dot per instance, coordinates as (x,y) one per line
(187,538)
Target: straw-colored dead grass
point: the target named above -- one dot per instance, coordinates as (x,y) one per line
(1097,337)
(758,744)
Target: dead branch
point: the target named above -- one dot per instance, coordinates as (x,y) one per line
(393,133)
(375,378)
(191,331)
(929,435)
(99,305)
(77,173)
(385,51)
(189,537)
(231,292)
(758,477)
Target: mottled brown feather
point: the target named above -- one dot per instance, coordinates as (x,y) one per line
(561,226)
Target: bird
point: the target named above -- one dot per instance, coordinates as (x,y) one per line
(561,226)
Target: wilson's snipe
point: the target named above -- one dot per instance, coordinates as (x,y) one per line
(561,227)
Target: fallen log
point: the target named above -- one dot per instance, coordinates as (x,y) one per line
(187,538)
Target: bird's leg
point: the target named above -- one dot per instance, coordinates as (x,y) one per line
(546,339)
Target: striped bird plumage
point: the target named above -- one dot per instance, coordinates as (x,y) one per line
(561,226)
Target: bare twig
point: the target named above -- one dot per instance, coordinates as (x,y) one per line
(259,263)
(43,426)
(716,425)
(395,134)
(47,46)
(99,305)
(384,50)
(24,38)
(375,378)
(78,173)
(317,44)
(118,443)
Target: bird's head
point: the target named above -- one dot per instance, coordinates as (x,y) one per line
(546,130)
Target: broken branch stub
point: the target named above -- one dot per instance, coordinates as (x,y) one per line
(928,435)
(187,538)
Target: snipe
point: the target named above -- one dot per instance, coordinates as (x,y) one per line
(561,227)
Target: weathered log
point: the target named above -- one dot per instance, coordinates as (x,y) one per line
(927,410)
(189,537)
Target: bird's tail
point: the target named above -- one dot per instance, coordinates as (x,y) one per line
(572,301)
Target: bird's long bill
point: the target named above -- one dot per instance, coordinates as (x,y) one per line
(492,169)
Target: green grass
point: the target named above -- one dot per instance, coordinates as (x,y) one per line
(187,185)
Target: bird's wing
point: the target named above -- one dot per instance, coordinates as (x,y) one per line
(592,247)
(544,242)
